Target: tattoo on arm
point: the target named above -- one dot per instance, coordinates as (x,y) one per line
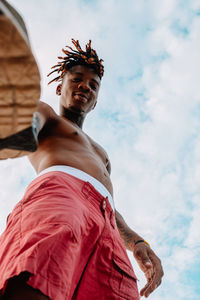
(127,234)
(36,126)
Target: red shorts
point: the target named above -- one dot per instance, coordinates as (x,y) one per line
(63,232)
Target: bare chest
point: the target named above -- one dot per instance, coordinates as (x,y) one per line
(63,136)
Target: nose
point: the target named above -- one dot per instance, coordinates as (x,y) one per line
(84,86)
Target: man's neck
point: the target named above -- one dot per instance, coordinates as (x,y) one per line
(74,116)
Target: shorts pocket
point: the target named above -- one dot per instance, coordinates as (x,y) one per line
(123,279)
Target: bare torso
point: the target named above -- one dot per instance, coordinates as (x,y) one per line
(62,142)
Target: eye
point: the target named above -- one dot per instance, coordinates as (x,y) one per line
(93,86)
(76,79)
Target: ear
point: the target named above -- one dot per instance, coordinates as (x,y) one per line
(58,89)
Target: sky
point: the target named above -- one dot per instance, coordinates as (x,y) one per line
(147,118)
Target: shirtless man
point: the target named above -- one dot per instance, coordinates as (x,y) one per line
(68,245)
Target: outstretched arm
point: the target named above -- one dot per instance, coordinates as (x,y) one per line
(149,263)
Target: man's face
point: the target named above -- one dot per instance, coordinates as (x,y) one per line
(79,89)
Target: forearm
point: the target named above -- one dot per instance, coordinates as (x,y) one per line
(27,139)
(148,261)
(127,234)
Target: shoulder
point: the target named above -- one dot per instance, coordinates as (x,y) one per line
(46,110)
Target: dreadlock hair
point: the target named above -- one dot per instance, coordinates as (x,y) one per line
(72,58)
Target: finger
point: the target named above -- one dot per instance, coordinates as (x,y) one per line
(148,270)
(149,274)
(156,281)
(145,289)
(149,288)
(148,284)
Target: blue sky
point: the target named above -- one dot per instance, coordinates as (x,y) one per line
(147,119)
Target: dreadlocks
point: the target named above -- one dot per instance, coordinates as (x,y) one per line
(88,57)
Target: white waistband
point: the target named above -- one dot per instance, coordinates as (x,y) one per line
(83,176)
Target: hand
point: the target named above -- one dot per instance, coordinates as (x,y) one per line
(150,264)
